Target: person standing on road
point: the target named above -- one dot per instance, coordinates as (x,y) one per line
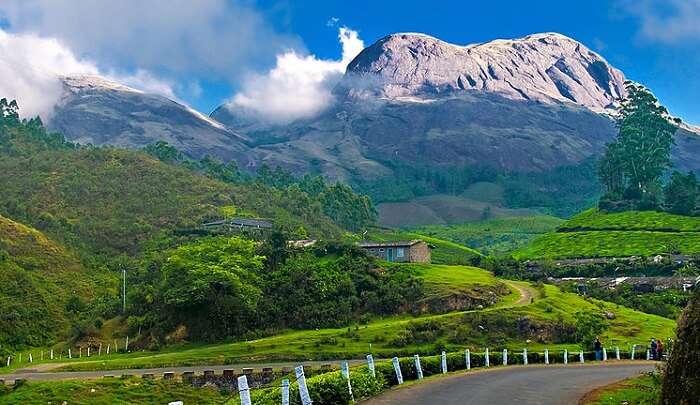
(660,349)
(598,349)
(654,347)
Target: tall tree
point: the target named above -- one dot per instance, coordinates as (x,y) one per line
(641,152)
(681,193)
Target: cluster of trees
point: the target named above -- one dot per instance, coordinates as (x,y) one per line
(220,287)
(633,166)
(338,201)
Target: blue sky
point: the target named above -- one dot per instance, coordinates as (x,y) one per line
(205,52)
(615,29)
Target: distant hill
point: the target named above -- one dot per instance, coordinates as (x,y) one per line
(633,233)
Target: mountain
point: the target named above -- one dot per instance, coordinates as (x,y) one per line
(412,109)
(96,111)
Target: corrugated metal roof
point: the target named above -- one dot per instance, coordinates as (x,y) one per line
(244,222)
(398,243)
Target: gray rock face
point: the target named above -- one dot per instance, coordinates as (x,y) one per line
(545,67)
(96,111)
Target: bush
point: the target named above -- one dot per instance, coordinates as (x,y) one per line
(682,379)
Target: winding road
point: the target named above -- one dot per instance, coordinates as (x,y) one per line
(523,385)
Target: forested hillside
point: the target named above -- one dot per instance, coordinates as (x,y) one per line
(73,216)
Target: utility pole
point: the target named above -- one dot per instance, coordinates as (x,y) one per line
(124,290)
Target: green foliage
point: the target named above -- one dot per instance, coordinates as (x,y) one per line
(642,151)
(643,390)
(212,286)
(595,233)
(121,391)
(681,193)
(495,236)
(681,380)
(588,326)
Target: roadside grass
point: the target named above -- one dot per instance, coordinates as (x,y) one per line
(379,336)
(634,391)
(445,252)
(494,236)
(112,392)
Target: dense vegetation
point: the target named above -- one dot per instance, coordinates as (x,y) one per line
(682,376)
(107,209)
(494,236)
(596,233)
(633,165)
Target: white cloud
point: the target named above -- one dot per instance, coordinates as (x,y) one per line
(298,86)
(31,67)
(220,39)
(666,21)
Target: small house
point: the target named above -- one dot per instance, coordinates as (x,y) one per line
(413,251)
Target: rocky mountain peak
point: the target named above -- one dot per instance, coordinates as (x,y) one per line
(546,67)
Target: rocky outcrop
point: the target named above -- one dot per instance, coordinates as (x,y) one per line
(545,67)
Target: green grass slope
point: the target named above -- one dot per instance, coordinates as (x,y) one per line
(514,323)
(38,277)
(633,233)
(494,236)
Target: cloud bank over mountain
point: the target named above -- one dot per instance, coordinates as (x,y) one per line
(298,86)
(33,66)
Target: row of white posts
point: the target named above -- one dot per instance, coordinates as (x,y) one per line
(50,353)
(244,390)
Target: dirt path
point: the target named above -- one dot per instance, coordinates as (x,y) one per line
(528,294)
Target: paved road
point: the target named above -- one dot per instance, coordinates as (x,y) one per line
(38,375)
(531,385)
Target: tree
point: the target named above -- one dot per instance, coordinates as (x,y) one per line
(682,377)
(681,193)
(212,286)
(641,152)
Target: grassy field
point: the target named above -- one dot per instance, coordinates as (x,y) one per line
(634,391)
(445,252)
(113,392)
(408,335)
(495,236)
(633,233)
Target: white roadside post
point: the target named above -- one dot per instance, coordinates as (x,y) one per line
(126,345)
(648,355)
(632,354)
(505,357)
(486,359)
(70,355)
(605,355)
(617,352)
(285,392)
(345,371)
(419,369)
(370,365)
(303,390)
(580,356)
(397,370)
(243,390)
(443,362)
(525,357)
(88,353)
(468,359)
(51,354)
(108,345)
(546,356)
(31,360)
(99,350)
(8,361)
(566,356)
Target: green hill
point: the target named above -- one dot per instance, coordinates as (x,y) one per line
(494,236)
(633,233)
(43,287)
